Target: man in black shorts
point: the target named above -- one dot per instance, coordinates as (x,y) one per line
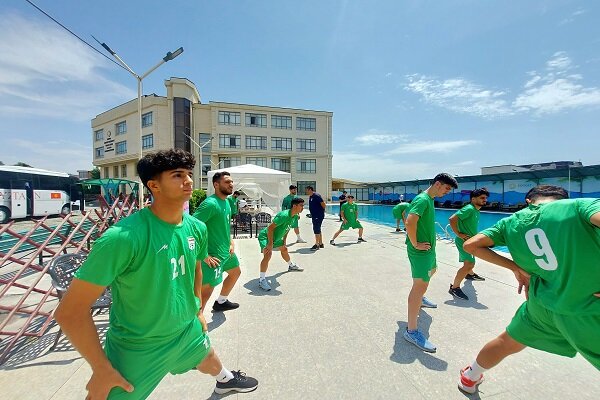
(316,206)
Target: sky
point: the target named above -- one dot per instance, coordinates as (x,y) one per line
(416,87)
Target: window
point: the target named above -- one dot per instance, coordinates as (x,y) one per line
(260,161)
(100,152)
(228,162)
(282,144)
(116,171)
(148,141)
(258,120)
(205,141)
(99,134)
(281,122)
(106,172)
(230,141)
(229,118)
(121,128)
(306,124)
(121,147)
(147,119)
(256,142)
(281,164)
(124,170)
(306,166)
(303,184)
(306,145)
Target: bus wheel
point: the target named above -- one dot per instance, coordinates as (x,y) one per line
(4,215)
(65,209)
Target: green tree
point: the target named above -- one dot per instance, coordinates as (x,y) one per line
(198,196)
(95,173)
(22,164)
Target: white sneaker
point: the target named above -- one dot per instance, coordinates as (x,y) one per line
(264,285)
(300,240)
(294,267)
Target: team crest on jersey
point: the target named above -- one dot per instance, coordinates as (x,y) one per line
(191,243)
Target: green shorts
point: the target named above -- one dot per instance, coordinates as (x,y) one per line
(566,335)
(145,364)
(214,276)
(351,224)
(422,264)
(263,243)
(462,254)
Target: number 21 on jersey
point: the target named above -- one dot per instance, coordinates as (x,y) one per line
(538,243)
(178,263)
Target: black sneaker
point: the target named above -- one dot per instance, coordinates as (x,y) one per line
(458,293)
(315,247)
(321,246)
(361,240)
(239,383)
(397,229)
(226,306)
(474,277)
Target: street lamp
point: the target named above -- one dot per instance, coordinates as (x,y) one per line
(168,57)
(200,147)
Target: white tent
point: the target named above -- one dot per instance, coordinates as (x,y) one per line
(267,184)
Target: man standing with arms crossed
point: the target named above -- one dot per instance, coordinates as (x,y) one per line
(420,245)
(215,212)
(286,204)
(316,206)
(465,223)
(151,261)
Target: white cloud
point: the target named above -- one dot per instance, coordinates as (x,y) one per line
(389,74)
(375,137)
(431,147)
(56,155)
(572,17)
(460,95)
(378,168)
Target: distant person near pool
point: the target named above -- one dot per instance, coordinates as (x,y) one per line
(420,245)
(465,223)
(399,213)
(343,200)
(316,206)
(555,248)
(349,213)
(286,204)
(272,236)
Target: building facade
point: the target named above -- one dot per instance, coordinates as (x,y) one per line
(220,135)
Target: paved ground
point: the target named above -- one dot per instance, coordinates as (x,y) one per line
(334,331)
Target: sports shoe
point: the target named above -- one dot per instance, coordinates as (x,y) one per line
(264,285)
(294,267)
(315,247)
(467,385)
(225,306)
(331,242)
(239,383)
(417,338)
(300,240)
(474,277)
(361,240)
(397,229)
(458,293)
(426,303)
(321,246)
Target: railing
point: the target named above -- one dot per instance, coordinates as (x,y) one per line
(446,233)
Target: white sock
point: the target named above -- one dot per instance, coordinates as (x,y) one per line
(475,371)
(224,376)
(291,263)
(263,275)
(222,299)
(298,237)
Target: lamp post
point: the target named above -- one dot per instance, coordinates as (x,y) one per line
(200,147)
(168,57)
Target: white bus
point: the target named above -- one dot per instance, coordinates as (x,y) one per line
(31,192)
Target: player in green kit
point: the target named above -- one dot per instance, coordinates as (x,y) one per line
(420,246)
(286,204)
(349,214)
(555,247)
(215,211)
(272,237)
(399,213)
(233,203)
(151,261)
(465,223)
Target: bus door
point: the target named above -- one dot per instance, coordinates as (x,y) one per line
(18,203)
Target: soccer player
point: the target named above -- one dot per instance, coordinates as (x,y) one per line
(272,236)
(233,203)
(215,212)
(316,206)
(555,242)
(464,223)
(343,199)
(420,246)
(349,213)
(399,213)
(151,261)
(286,204)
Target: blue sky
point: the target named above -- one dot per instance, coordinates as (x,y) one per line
(416,87)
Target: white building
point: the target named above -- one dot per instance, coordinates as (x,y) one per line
(226,134)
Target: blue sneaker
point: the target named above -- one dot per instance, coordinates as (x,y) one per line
(428,303)
(417,338)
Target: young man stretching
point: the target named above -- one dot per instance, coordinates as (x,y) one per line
(556,243)
(399,213)
(272,236)
(465,224)
(151,261)
(349,213)
(420,246)
(215,211)
(286,204)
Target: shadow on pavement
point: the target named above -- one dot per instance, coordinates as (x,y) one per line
(471,293)
(255,290)
(218,319)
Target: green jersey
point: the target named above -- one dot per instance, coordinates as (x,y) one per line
(468,219)
(150,266)
(233,203)
(422,205)
(286,204)
(350,211)
(216,214)
(283,221)
(558,245)
(399,209)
